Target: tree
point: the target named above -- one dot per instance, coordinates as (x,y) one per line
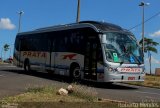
(6,48)
(149,46)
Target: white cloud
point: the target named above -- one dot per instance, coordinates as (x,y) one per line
(6,24)
(155,34)
(153,60)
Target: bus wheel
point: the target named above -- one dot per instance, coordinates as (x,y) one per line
(75,73)
(27,66)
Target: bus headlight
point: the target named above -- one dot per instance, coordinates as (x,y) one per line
(143,71)
(110,69)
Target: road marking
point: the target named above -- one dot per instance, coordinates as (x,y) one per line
(148,93)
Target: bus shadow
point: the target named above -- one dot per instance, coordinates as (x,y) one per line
(70,81)
(40,75)
(106,85)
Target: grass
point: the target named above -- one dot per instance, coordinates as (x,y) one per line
(43,94)
(150,81)
(47,96)
(83,96)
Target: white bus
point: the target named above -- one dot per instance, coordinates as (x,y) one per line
(88,50)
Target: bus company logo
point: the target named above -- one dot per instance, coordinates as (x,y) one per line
(69,56)
(130,69)
(34,54)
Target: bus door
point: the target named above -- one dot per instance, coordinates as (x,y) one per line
(51,57)
(90,65)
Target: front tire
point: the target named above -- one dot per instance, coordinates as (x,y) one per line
(75,73)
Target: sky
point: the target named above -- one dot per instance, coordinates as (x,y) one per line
(43,13)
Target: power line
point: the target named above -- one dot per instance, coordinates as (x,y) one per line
(145,20)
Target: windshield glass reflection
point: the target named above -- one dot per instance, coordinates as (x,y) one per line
(122,47)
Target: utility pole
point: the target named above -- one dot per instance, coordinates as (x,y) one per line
(19,24)
(2,53)
(142,4)
(150,62)
(78,12)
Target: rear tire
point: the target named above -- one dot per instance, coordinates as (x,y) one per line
(27,66)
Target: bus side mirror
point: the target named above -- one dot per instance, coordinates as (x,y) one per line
(103,38)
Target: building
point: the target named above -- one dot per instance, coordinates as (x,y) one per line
(157,71)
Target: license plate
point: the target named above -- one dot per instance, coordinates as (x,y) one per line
(131,78)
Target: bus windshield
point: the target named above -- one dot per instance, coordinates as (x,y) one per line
(122,48)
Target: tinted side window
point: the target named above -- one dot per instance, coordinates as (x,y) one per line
(61,41)
(25,44)
(77,41)
(17,43)
(35,42)
(69,41)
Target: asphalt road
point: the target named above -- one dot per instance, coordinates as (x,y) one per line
(14,81)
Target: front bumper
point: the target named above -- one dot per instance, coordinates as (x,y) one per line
(124,77)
